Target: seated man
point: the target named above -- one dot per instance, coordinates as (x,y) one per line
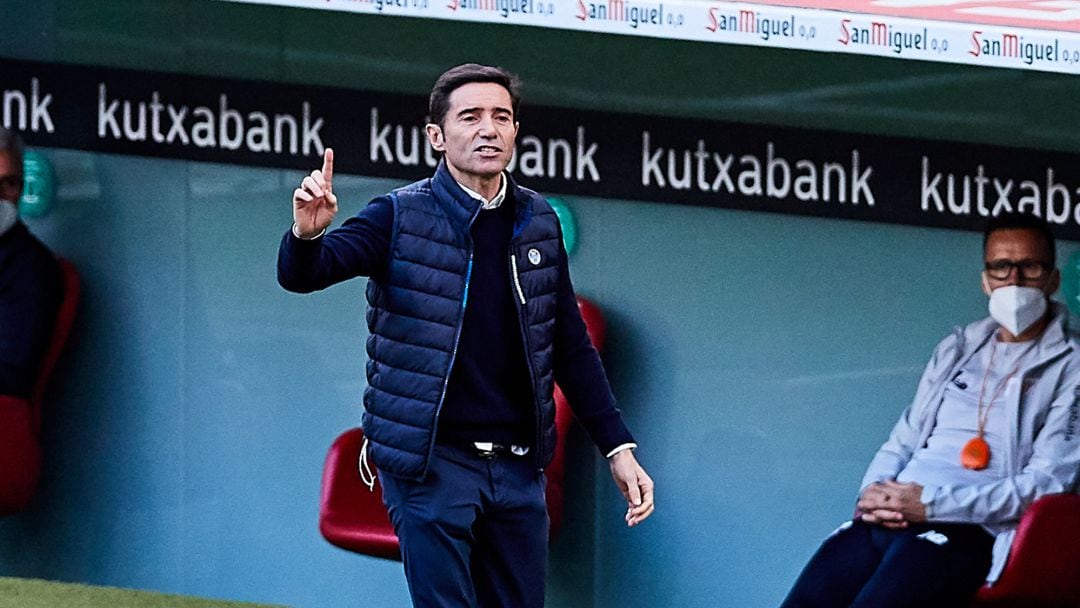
(993,427)
(30,284)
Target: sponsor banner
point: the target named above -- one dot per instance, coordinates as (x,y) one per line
(560,151)
(1042,14)
(810,29)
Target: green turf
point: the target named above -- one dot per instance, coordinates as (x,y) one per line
(28,593)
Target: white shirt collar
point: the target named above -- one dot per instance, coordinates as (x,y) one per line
(495,200)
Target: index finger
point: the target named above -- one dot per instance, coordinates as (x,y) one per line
(328,165)
(872,492)
(871,502)
(646,501)
(633,494)
(901,489)
(888,515)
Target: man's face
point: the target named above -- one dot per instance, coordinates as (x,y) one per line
(11,177)
(477,135)
(1018,257)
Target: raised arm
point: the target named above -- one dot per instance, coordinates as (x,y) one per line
(309,260)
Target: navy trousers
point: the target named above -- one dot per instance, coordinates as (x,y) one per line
(923,565)
(474,534)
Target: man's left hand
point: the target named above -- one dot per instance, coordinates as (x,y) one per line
(635,484)
(891,497)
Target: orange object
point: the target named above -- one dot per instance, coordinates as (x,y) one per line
(975,454)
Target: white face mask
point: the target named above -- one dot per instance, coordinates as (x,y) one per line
(1017,308)
(9,214)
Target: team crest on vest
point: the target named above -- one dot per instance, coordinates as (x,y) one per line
(534,256)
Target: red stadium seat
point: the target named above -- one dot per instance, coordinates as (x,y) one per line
(1043,570)
(20,419)
(20,455)
(564,417)
(353,517)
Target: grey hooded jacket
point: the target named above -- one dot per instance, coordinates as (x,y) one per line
(1043,405)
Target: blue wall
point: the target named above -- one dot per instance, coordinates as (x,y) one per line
(760,359)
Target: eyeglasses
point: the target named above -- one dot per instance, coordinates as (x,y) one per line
(10,182)
(1029,270)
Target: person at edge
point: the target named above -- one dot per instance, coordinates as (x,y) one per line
(30,283)
(472,318)
(992,428)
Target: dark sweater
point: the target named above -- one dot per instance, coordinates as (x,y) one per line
(489,396)
(30,293)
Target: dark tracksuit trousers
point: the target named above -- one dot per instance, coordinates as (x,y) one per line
(870,566)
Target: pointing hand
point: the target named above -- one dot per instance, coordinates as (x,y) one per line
(314,203)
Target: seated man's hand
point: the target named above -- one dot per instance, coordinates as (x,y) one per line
(892,504)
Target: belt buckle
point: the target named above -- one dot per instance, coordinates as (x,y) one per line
(485,449)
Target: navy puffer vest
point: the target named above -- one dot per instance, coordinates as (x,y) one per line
(416,310)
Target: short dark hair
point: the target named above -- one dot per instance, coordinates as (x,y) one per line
(456,77)
(1022,221)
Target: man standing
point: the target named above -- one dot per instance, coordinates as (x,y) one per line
(472,318)
(993,427)
(30,286)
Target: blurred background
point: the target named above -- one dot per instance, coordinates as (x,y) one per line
(759,358)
